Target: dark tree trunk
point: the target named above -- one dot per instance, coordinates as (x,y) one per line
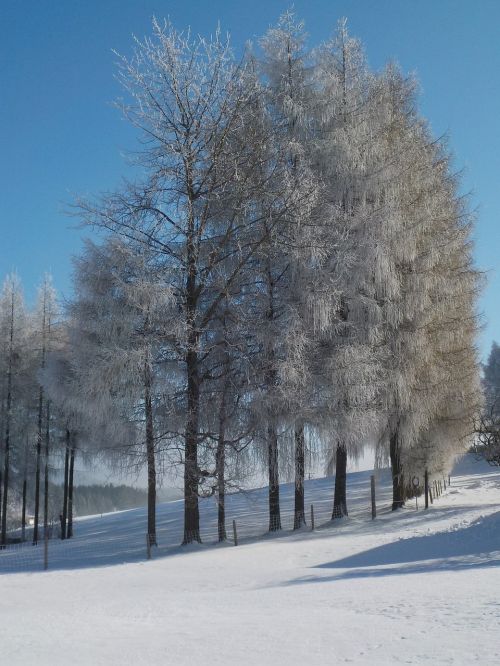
(191,471)
(220,455)
(220,464)
(6,460)
(69,530)
(299,515)
(37,467)
(1,477)
(150,452)
(46,473)
(397,472)
(66,482)
(191,508)
(340,495)
(274,483)
(6,467)
(23,510)
(221,489)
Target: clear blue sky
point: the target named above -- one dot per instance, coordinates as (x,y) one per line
(60,135)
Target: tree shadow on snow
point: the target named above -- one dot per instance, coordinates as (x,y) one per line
(476,546)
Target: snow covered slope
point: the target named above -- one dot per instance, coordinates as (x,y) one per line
(121,537)
(414,587)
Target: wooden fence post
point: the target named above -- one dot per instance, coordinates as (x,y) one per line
(235,533)
(372,492)
(312,518)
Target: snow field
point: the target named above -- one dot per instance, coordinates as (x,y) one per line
(408,588)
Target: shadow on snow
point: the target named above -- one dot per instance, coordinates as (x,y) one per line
(475,546)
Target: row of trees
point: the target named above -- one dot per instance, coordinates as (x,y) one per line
(289,273)
(31,428)
(487,443)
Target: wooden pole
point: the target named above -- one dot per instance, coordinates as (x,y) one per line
(312,518)
(372,492)
(235,534)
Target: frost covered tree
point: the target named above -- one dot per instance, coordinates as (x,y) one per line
(424,277)
(292,265)
(284,255)
(211,180)
(491,379)
(119,316)
(12,332)
(227,420)
(348,365)
(73,417)
(42,341)
(487,424)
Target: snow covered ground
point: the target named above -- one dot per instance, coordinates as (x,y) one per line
(414,587)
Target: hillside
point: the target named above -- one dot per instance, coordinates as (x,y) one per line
(414,587)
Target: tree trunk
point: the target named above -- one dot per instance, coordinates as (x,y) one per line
(69,530)
(340,495)
(37,467)
(299,517)
(220,463)
(46,473)
(66,481)
(150,452)
(220,455)
(191,471)
(3,539)
(8,414)
(23,510)
(274,484)
(221,490)
(191,508)
(397,472)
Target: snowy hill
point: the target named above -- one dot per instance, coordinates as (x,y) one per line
(121,536)
(408,588)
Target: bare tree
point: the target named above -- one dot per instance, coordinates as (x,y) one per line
(208,158)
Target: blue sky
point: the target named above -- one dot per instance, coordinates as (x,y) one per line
(61,136)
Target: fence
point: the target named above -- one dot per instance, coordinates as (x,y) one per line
(121,537)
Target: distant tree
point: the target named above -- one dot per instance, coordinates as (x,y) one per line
(486,444)
(42,339)
(12,332)
(491,380)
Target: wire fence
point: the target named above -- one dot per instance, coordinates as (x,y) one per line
(121,537)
